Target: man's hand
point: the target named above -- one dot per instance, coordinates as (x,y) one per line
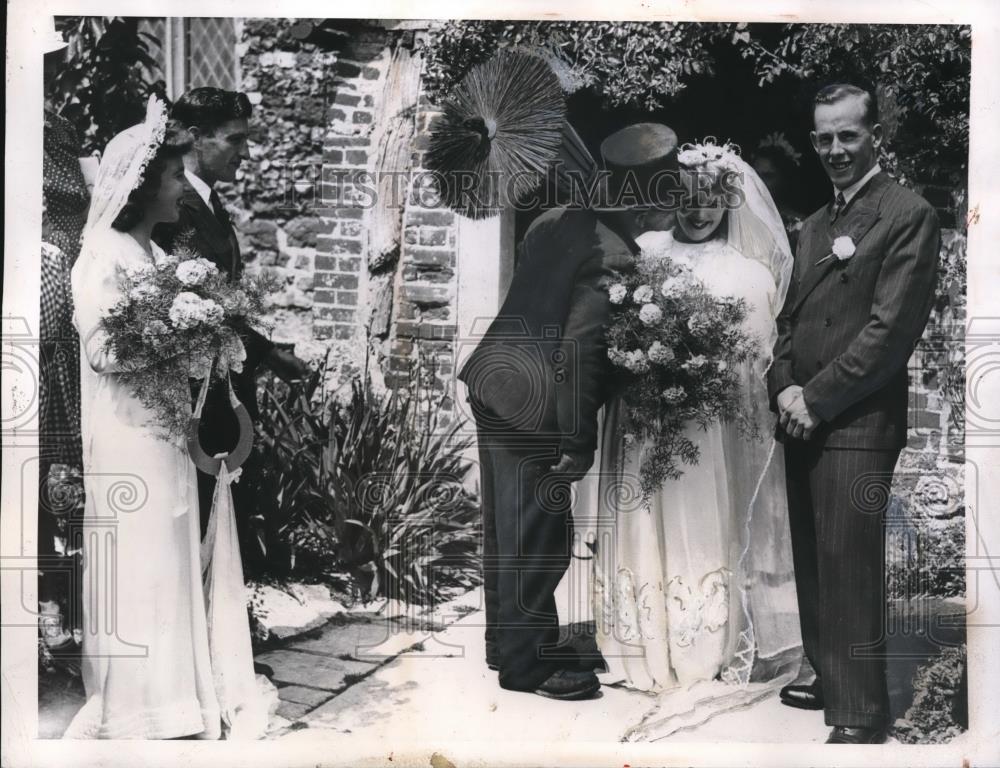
(785,398)
(796,418)
(287,366)
(572,466)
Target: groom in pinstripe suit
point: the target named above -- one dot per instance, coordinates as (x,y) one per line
(859,300)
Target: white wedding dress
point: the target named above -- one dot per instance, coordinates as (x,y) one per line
(693,589)
(146,664)
(166,645)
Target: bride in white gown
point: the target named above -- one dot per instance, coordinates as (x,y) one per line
(694,594)
(150,666)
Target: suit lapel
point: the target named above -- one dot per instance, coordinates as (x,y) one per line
(855,222)
(223,245)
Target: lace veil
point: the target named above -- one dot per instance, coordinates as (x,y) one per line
(123,164)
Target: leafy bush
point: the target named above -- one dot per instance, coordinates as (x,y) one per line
(108,74)
(632,63)
(939,711)
(371,489)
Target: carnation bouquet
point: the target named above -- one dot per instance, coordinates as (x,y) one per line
(180,318)
(679,350)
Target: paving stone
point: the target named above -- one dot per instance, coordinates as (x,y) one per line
(299,695)
(363,705)
(352,639)
(309,669)
(292,711)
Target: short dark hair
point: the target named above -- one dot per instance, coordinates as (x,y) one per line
(177,142)
(830,94)
(208,108)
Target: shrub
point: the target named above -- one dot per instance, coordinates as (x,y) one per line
(107,76)
(939,711)
(371,490)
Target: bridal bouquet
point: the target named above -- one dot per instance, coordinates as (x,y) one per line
(679,350)
(180,319)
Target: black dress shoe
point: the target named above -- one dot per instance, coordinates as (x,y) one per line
(803,696)
(843,734)
(569,685)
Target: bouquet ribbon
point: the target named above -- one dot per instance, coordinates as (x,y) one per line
(244,710)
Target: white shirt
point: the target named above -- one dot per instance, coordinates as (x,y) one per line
(852,190)
(204,191)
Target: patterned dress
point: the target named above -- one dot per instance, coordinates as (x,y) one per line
(66,200)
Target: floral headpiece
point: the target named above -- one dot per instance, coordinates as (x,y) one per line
(709,155)
(779,142)
(155,126)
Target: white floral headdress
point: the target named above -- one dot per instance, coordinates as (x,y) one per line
(709,155)
(123,164)
(778,141)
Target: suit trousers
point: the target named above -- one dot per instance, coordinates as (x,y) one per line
(837,499)
(527,546)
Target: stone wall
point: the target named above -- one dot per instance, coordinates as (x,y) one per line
(274,197)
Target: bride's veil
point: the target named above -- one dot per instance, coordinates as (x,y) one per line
(757,232)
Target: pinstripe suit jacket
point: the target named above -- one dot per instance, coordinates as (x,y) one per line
(848,328)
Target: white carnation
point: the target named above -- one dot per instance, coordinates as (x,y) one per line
(617,293)
(658,353)
(650,314)
(642,294)
(194,271)
(636,361)
(188,310)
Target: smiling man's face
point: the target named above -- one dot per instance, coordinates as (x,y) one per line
(219,153)
(845,142)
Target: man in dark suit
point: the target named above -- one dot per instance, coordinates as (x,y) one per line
(536,382)
(218,122)
(859,299)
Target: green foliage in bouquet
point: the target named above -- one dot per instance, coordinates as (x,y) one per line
(679,351)
(371,488)
(179,318)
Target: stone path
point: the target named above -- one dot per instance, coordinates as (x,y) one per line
(423,678)
(357,678)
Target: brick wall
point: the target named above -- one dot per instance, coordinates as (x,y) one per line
(424,319)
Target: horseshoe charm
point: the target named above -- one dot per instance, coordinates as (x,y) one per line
(210,465)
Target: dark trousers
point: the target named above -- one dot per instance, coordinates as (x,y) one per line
(837,501)
(527,541)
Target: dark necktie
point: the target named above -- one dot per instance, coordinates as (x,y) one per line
(222,216)
(838,206)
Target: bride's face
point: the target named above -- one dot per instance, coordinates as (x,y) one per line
(166,205)
(702,206)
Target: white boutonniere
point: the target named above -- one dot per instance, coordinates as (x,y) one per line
(843,249)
